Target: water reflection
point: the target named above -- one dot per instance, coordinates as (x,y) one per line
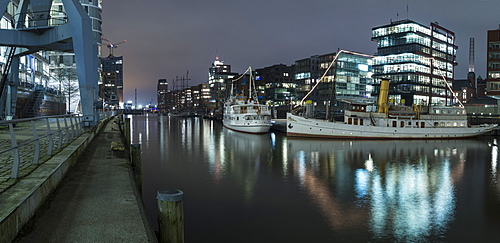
(242,156)
(342,190)
(401,188)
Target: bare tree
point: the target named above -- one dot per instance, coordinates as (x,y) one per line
(68,85)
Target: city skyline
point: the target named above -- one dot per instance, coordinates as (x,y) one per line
(165,40)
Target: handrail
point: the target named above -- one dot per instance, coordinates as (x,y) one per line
(25,142)
(37,134)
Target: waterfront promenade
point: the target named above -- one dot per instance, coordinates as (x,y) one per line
(95,201)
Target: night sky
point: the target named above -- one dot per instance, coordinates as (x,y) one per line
(167,38)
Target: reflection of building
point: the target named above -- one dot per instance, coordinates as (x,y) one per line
(111,88)
(415,58)
(493,64)
(406,191)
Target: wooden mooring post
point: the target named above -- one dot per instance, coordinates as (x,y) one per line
(170,216)
(136,161)
(127,133)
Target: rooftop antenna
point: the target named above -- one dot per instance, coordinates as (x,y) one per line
(407,10)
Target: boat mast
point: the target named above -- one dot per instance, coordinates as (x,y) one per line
(250,94)
(333,95)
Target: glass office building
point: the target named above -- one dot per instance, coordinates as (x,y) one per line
(419,60)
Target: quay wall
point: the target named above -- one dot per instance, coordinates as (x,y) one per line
(22,200)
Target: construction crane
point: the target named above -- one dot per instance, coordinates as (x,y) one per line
(111,47)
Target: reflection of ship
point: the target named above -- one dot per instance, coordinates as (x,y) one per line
(252,144)
(246,114)
(404,191)
(179,114)
(244,157)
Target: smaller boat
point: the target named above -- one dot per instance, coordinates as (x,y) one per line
(245,114)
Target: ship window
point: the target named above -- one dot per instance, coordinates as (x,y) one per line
(355,121)
(349,121)
(402,124)
(455,124)
(422,124)
(394,124)
(436,124)
(442,124)
(361,122)
(462,124)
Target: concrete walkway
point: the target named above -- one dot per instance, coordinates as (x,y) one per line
(96,201)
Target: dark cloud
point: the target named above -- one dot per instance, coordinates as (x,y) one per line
(165,38)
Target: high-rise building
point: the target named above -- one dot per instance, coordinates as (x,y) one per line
(218,76)
(112,80)
(419,60)
(162,89)
(493,64)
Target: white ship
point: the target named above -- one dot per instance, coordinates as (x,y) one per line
(245,114)
(389,122)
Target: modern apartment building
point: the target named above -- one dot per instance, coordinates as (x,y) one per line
(493,64)
(419,60)
(349,77)
(279,83)
(351,74)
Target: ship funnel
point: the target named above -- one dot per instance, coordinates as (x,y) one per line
(383,95)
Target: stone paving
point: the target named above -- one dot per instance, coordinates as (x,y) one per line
(24,133)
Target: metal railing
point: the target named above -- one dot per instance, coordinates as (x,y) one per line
(28,138)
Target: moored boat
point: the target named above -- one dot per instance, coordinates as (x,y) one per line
(245,114)
(389,122)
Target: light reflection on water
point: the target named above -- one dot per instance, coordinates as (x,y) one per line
(334,189)
(404,189)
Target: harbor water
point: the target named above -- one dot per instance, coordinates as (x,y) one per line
(269,188)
